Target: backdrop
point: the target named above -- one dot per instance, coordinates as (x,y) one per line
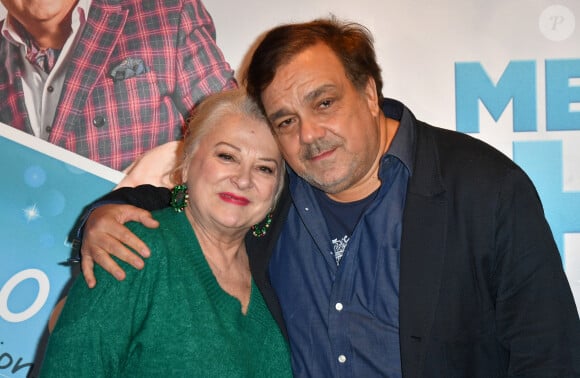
(507,72)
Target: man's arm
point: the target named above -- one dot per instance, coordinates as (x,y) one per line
(103,232)
(536,318)
(200,66)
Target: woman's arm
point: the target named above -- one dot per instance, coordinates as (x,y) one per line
(94,331)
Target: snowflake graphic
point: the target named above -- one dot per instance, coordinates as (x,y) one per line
(31,213)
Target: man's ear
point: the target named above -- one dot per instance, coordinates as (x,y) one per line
(371,96)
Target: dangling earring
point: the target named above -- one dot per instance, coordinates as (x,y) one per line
(258,231)
(179,197)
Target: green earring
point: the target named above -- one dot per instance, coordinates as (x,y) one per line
(259,231)
(179,197)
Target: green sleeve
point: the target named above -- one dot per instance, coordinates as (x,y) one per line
(92,337)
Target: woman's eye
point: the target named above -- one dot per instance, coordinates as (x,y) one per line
(267,170)
(227,157)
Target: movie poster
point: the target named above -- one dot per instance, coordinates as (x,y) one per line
(44,189)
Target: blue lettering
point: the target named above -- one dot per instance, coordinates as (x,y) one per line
(517,84)
(559,94)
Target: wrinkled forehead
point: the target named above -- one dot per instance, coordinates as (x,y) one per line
(314,71)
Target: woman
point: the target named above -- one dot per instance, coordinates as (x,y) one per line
(194,309)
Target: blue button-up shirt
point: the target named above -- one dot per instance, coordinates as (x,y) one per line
(343,320)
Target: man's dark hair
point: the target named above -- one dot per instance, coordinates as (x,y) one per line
(351,42)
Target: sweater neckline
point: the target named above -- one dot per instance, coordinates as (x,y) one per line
(222,299)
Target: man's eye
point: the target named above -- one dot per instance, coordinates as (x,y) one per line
(325,103)
(286,122)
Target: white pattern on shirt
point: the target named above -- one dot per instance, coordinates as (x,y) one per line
(340,247)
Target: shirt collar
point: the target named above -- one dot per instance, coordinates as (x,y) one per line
(403,144)
(80,11)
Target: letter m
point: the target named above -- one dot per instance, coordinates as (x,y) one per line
(516,84)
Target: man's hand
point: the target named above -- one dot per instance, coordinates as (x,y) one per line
(106,234)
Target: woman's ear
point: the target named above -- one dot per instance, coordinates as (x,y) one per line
(182,174)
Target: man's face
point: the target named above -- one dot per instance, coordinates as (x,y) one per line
(31,12)
(328,130)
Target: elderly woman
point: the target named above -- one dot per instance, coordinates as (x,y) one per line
(194,309)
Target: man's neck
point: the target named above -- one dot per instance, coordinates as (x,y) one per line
(49,35)
(370,182)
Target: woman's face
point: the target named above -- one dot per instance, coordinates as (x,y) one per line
(233,175)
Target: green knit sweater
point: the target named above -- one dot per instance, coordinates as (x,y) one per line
(172,319)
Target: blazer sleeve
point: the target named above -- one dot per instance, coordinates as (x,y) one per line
(147,197)
(144,196)
(536,317)
(200,66)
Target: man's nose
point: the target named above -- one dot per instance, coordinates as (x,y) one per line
(310,131)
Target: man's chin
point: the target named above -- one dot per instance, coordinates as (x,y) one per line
(329,186)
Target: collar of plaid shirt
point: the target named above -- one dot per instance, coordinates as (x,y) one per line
(45,59)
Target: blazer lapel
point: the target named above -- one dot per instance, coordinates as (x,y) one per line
(260,251)
(14,113)
(422,253)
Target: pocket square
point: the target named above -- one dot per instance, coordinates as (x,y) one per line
(128,68)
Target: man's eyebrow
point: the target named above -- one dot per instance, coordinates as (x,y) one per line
(317,92)
(278,114)
(310,96)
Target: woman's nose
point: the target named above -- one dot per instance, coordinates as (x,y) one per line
(242,179)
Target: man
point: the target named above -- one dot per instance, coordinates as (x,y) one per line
(107,79)
(398,249)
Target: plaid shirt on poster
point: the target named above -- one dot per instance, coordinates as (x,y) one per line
(114,118)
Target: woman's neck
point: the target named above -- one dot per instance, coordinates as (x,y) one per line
(227,258)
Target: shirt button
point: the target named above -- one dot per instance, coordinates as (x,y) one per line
(338,306)
(342,358)
(50,89)
(48,129)
(99,121)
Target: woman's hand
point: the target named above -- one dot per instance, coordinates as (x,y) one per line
(105,234)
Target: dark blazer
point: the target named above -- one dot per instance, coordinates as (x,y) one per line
(482,289)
